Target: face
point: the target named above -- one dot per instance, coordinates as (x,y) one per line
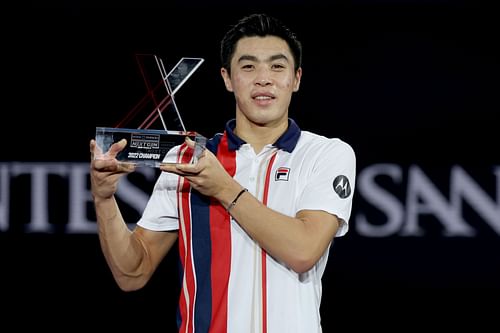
(262,80)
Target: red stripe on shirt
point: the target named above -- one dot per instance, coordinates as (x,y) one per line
(220,234)
(188,287)
(263,258)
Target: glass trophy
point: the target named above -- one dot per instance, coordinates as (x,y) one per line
(147,146)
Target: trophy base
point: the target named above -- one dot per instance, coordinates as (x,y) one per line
(146,147)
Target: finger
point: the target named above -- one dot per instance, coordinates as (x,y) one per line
(168,167)
(125,167)
(117,147)
(188,168)
(181,169)
(113,166)
(95,150)
(104,165)
(189,142)
(92,147)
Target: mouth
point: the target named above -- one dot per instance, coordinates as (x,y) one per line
(263,96)
(263,100)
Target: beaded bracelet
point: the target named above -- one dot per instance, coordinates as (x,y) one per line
(233,203)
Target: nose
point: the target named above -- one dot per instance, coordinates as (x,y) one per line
(263,77)
(263,81)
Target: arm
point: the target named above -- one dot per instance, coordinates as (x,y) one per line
(297,241)
(134,255)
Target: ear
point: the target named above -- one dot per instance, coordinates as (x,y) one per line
(227,79)
(298,76)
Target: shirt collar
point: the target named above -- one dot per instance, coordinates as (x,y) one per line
(287,141)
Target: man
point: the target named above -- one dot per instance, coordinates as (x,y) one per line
(256,214)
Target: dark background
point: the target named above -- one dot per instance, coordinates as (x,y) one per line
(405,82)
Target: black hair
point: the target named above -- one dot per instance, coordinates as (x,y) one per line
(258,25)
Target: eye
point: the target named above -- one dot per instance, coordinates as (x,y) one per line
(247,67)
(278,67)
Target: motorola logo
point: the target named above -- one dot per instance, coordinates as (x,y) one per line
(341,186)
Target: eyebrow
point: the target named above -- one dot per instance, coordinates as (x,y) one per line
(254,58)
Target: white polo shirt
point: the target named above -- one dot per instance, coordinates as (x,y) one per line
(229,284)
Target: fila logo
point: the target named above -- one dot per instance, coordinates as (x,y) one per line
(282,174)
(341,186)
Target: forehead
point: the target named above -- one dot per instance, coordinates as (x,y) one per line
(261,47)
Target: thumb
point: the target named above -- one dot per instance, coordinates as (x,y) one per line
(189,142)
(117,147)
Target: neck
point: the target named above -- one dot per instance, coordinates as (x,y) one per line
(259,136)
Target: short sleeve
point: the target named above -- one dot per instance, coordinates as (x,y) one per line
(330,185)
(161,213)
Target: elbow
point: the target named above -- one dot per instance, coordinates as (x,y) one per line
(302,264)
(304,259)
(128,284)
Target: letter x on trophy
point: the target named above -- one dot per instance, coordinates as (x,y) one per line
(147,146)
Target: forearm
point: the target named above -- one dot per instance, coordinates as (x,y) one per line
(123,251)
(299,241)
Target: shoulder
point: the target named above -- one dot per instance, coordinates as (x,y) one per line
(324,145)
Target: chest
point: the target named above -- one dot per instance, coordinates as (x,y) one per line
(276,178)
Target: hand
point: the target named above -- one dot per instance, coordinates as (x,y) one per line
(207,175)
(106,170)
